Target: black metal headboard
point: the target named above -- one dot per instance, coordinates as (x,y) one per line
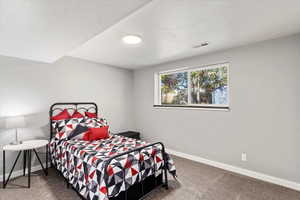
(71,106)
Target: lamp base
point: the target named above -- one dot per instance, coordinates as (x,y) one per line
(16,143)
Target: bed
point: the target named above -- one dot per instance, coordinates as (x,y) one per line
(114,168)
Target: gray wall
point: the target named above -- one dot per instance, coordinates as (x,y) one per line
(263,121)
(264,116)
(29,88)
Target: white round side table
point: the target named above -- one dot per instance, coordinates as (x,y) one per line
(27,147)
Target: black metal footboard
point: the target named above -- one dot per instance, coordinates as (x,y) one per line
(143,191)
(140,189)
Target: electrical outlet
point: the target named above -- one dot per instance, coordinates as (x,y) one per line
(244,157)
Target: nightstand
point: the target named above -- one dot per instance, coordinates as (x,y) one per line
(27,147)
(130,134)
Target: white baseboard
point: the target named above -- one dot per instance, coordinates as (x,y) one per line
(20,172)
(238,170)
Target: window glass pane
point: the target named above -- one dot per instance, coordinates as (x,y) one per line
(209,86)
(174,88)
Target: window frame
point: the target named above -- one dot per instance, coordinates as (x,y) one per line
(157,87)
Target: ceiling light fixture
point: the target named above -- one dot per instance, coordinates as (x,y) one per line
(132,39)
(203,44)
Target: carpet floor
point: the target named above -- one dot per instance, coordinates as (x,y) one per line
(196,182)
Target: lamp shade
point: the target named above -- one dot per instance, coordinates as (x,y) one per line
(15,122)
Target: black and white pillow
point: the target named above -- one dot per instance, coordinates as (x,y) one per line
(63,128)
(95,122)
(81,132)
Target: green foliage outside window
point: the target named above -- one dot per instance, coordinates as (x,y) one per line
(205,82)
(174,88)
(206,86)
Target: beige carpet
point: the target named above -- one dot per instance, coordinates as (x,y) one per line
(197,181)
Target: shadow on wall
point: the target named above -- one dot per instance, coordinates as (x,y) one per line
(37,127)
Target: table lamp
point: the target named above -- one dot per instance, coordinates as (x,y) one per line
(15,123)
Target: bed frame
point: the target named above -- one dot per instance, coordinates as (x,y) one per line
(134,192)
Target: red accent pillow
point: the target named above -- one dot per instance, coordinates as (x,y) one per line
(76,115)
(62,115)
(86,136)
(90,115)
(98,133)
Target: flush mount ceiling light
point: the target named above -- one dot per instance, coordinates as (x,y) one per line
(132,39)
(203,44)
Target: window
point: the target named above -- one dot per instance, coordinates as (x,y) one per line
(174,88)
(205,87)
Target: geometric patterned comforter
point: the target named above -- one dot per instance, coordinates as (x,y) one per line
(82,163)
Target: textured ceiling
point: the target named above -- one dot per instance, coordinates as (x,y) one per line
(170,28)
(45,30)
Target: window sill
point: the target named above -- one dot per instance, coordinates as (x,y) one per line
(192,107)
